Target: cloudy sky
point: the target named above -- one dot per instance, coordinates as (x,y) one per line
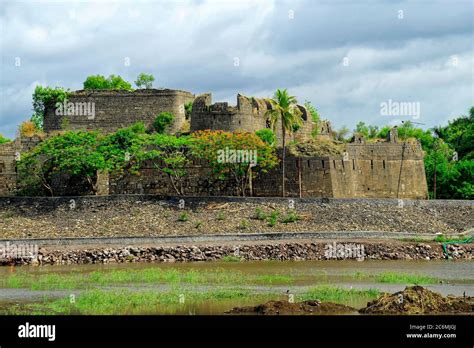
(346,57)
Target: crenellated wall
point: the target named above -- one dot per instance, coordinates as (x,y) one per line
(116,109)
(249,115)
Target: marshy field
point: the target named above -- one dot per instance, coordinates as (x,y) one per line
(218,287)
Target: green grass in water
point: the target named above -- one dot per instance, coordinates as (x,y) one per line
(108,302)
(404,278)
(55,281)
(103,302)
(338,294)
(396,278)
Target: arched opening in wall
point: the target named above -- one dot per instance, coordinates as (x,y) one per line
(268,123)
(342,164)
(309,164)
(322,163)
(353,165)
(383,163)
(334,163)
(372,164)
(2,167)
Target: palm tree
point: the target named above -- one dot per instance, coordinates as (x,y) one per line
(284,109)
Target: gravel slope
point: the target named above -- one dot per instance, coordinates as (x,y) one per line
(159,218)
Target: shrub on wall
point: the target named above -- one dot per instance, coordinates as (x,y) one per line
(267,136)
(28,129)
(4,140)
(111,82)
(162,122)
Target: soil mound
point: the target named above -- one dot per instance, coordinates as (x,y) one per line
(418,300)
(287,308)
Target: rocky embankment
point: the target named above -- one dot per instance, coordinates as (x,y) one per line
(266,251)
(145,216)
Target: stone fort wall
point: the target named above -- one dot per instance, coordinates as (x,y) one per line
(116,109)
(367,171)
(248,116)
(9,153)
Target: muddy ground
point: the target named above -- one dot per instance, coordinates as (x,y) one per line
(418,300)
(412,300)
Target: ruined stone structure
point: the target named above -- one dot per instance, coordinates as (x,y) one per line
(9,154)
(114,109)
(385,169)
(365,170)
(248,116)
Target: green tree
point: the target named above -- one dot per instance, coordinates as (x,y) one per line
(459,133)
(362,129)
(112,82)
(123,149)
(267,136)
(46,97)
(163,121)
(234,156)
(284,109)
(170,155)
(342,133)
(74,153)
(145,81)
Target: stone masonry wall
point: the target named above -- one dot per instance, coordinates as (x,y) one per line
(248,116)
(117,109)
(369,171)
(8,156)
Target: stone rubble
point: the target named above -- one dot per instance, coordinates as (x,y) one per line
(275,251)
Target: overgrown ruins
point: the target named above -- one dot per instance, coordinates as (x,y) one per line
(385,169)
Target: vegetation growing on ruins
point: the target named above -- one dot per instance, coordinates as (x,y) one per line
(3,140)
(284,110)
(162,122)
(102,82)
(237,167)
(315,117)
(267,136)
(144,81)
(78,156)
(29,129)
(44,97)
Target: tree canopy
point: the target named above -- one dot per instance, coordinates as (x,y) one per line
(111,82)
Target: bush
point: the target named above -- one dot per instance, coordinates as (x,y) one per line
(183,217)
(162,122)
(28,129)
(3,139)
(260,214)
(273,218)
(291,217)
(267,136)
(112,82)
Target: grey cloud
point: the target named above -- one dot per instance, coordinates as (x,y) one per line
(191,45)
